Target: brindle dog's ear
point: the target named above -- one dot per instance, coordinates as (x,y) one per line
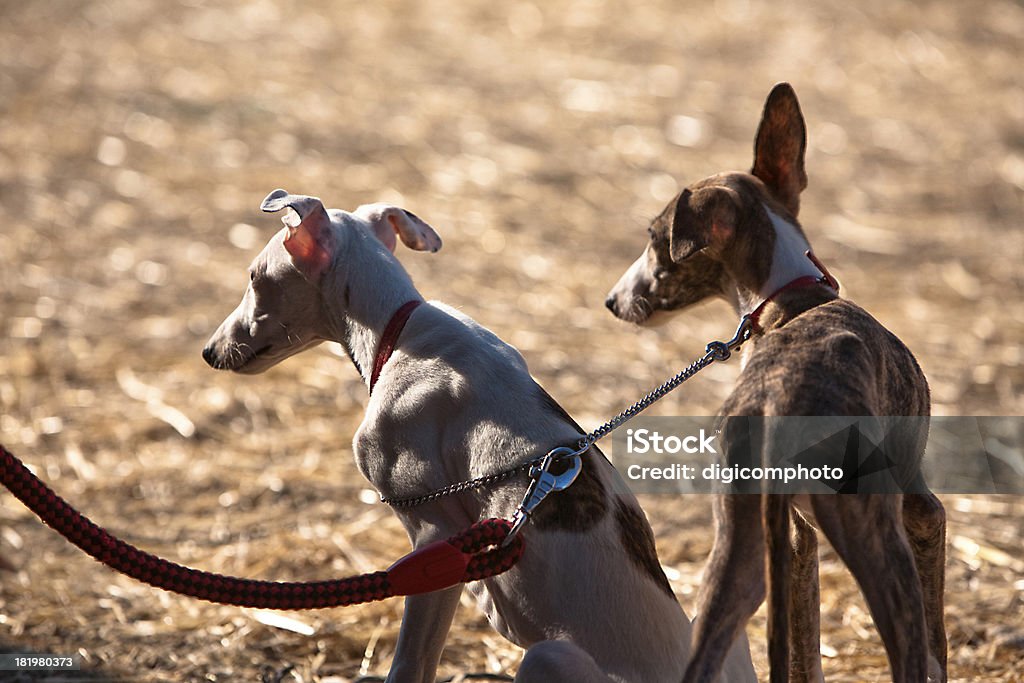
(704,218)
(686,234)
(779,147)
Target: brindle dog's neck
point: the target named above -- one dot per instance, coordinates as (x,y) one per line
(771,254)
(790,304)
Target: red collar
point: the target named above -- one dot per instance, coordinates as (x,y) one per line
(389,339)
(805,281)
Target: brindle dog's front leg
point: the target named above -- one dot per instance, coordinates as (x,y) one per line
(733,584)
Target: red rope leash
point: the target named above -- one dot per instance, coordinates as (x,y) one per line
(469,556)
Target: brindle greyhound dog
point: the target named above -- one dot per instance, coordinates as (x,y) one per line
(736,236)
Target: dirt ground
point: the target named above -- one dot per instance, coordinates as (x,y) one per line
(138,138)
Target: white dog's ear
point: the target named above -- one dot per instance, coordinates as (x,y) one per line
(309,239)
(388,221)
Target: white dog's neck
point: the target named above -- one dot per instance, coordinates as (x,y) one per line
(359,311)
(789,262)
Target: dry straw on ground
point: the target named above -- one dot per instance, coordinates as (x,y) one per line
(138,138)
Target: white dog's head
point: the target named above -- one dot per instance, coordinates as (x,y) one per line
(282,311)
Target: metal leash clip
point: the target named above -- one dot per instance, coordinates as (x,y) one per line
(721,351)
(544,482)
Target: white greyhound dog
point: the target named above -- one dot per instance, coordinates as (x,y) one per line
(450,402)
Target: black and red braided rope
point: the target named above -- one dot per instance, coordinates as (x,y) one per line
(480,544)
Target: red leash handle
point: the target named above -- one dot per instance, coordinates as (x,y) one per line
(469,556)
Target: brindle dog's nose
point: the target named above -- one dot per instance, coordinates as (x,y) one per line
(208,355)
(610,304)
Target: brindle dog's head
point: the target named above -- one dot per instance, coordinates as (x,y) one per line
(716,234)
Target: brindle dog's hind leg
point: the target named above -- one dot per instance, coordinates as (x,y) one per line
(804,605)
(866,532)
(924,519)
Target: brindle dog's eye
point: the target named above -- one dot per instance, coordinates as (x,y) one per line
(252,276)
(660,273)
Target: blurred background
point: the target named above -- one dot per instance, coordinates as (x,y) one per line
(138,138)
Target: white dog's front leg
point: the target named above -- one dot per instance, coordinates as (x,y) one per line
(421,639)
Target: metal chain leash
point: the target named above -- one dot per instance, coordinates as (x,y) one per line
(714,351)
(461,486)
